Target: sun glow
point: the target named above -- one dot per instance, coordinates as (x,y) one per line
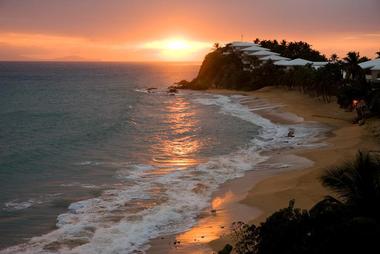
(178,48)
(177,45)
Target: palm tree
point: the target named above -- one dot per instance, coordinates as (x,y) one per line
(216,46)
(352,65)
(357,184)
(334,58)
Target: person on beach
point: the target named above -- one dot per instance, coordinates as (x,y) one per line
(291,133)
(361,111)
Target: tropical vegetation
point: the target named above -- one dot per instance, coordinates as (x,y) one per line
(223,68)
(347,222)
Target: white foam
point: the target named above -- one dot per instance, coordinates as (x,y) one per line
(89,163)
(168,202)
(271,135)
(82,185)
(16,204)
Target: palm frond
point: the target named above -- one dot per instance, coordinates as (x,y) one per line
(356,183)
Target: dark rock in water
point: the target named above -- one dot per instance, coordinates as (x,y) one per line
(172,90)
(151,89)
(182,84)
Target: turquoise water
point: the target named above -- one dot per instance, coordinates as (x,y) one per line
(90,132)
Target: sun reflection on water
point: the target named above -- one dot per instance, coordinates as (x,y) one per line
(177,146)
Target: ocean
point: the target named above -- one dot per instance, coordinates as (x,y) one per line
(91,161)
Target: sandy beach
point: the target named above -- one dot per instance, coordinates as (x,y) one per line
(259,193)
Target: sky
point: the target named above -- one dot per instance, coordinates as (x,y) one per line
(175,30)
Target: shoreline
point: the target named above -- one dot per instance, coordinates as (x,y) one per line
(213,226)
(263,194)
(344,141)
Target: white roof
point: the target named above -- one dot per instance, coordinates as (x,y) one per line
(263,53)
(376,67)
(243,44)
(320,63)
(294,62)
(369,64)
(281,62)
(254,48)
(274,58)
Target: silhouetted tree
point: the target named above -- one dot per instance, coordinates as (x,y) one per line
(357,184)
(353,70)
(216,46)
(328,80)
(349,224)
(334,58)
(293,49)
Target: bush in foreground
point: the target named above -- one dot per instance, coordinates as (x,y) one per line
(349,223)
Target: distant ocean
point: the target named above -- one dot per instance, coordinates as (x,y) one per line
(91,162)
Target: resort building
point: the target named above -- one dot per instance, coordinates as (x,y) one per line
(289,64)
(317,65)
(253,55)
(252,49)
(372,70)
(294,62)
(241,44)
(273,58)
(262,53)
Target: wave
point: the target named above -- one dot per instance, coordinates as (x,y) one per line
(148,204)
(271,135)
(16,204)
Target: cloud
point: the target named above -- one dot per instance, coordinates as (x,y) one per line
(26,46)
(115,29)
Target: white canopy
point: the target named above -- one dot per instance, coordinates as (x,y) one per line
(242,44)
(281,62)
(273,58)
(263,53)
(376,67)
(319,63)
(294,62)
(254,49)
(370,64)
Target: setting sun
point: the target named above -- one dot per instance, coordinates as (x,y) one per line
(177,45)
(177,49)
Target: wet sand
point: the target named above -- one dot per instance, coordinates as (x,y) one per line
(261,192)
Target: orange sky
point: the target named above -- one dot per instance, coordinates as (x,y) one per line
(174,30)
